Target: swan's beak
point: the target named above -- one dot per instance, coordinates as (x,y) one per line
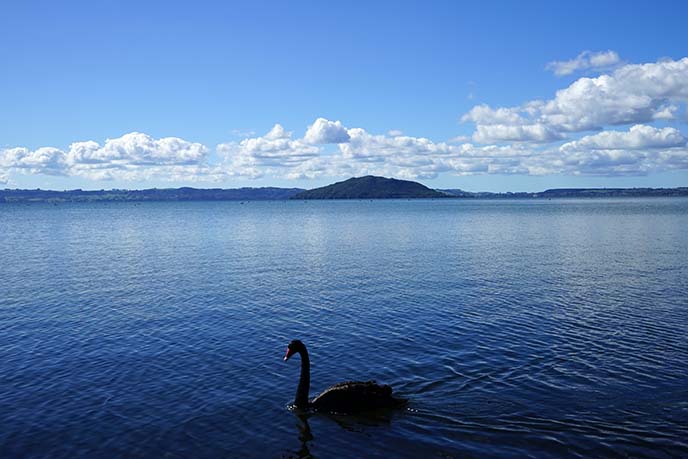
(288,354)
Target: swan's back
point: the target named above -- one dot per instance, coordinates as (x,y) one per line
(356,396)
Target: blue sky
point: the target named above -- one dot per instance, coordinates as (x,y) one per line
(453,94)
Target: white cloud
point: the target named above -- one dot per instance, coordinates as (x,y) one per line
(674,159)
(605,162)
(506,140)
(484,114)
(132,156)
(507,124)
(323,131)
(639,150)
(413,158)
(363,145)
(258,156)
(587,60)
(647,149)
(137,149)
(137,156)
(402,156)
(519,133)
(632,94)
(636,138)
(357,153)
(277,133)
(44,160)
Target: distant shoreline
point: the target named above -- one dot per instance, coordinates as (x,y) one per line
(282,194)
(577,193)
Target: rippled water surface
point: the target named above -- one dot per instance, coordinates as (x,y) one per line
(516,328)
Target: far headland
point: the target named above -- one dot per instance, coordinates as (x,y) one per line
(368,187)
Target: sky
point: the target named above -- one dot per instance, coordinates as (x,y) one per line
(481,96)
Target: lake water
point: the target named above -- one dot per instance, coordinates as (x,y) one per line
(516,328)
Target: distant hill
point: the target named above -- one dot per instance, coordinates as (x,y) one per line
(574,193)
(371,187)
(153,194)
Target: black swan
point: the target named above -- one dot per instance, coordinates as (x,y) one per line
(347,397)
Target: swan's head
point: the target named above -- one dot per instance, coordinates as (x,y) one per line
(294,347)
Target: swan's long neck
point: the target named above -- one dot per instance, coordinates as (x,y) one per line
(301,400)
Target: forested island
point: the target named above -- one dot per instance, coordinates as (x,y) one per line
(371,187)
(368,187)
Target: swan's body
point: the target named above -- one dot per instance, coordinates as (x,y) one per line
(346,397)
(355,396)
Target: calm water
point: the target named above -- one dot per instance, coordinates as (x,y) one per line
(516,328)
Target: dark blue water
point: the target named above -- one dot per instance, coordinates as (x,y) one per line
(515,328)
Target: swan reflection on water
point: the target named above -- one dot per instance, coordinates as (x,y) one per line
(351,423)
(305,436)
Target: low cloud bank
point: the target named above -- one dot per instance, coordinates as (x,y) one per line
(613,124)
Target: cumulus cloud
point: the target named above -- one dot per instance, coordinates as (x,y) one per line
(365,146)
(417,158)
(137,149)
(640,150)
(539,137)
(632,94)
(277,133)
(279,154)
(508,124)
(45,160)
(587,60)
(636,138)
(258,156)
(485,115)
(323,131)
(134,157)
(403,156)
(130,157)
(538,132)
